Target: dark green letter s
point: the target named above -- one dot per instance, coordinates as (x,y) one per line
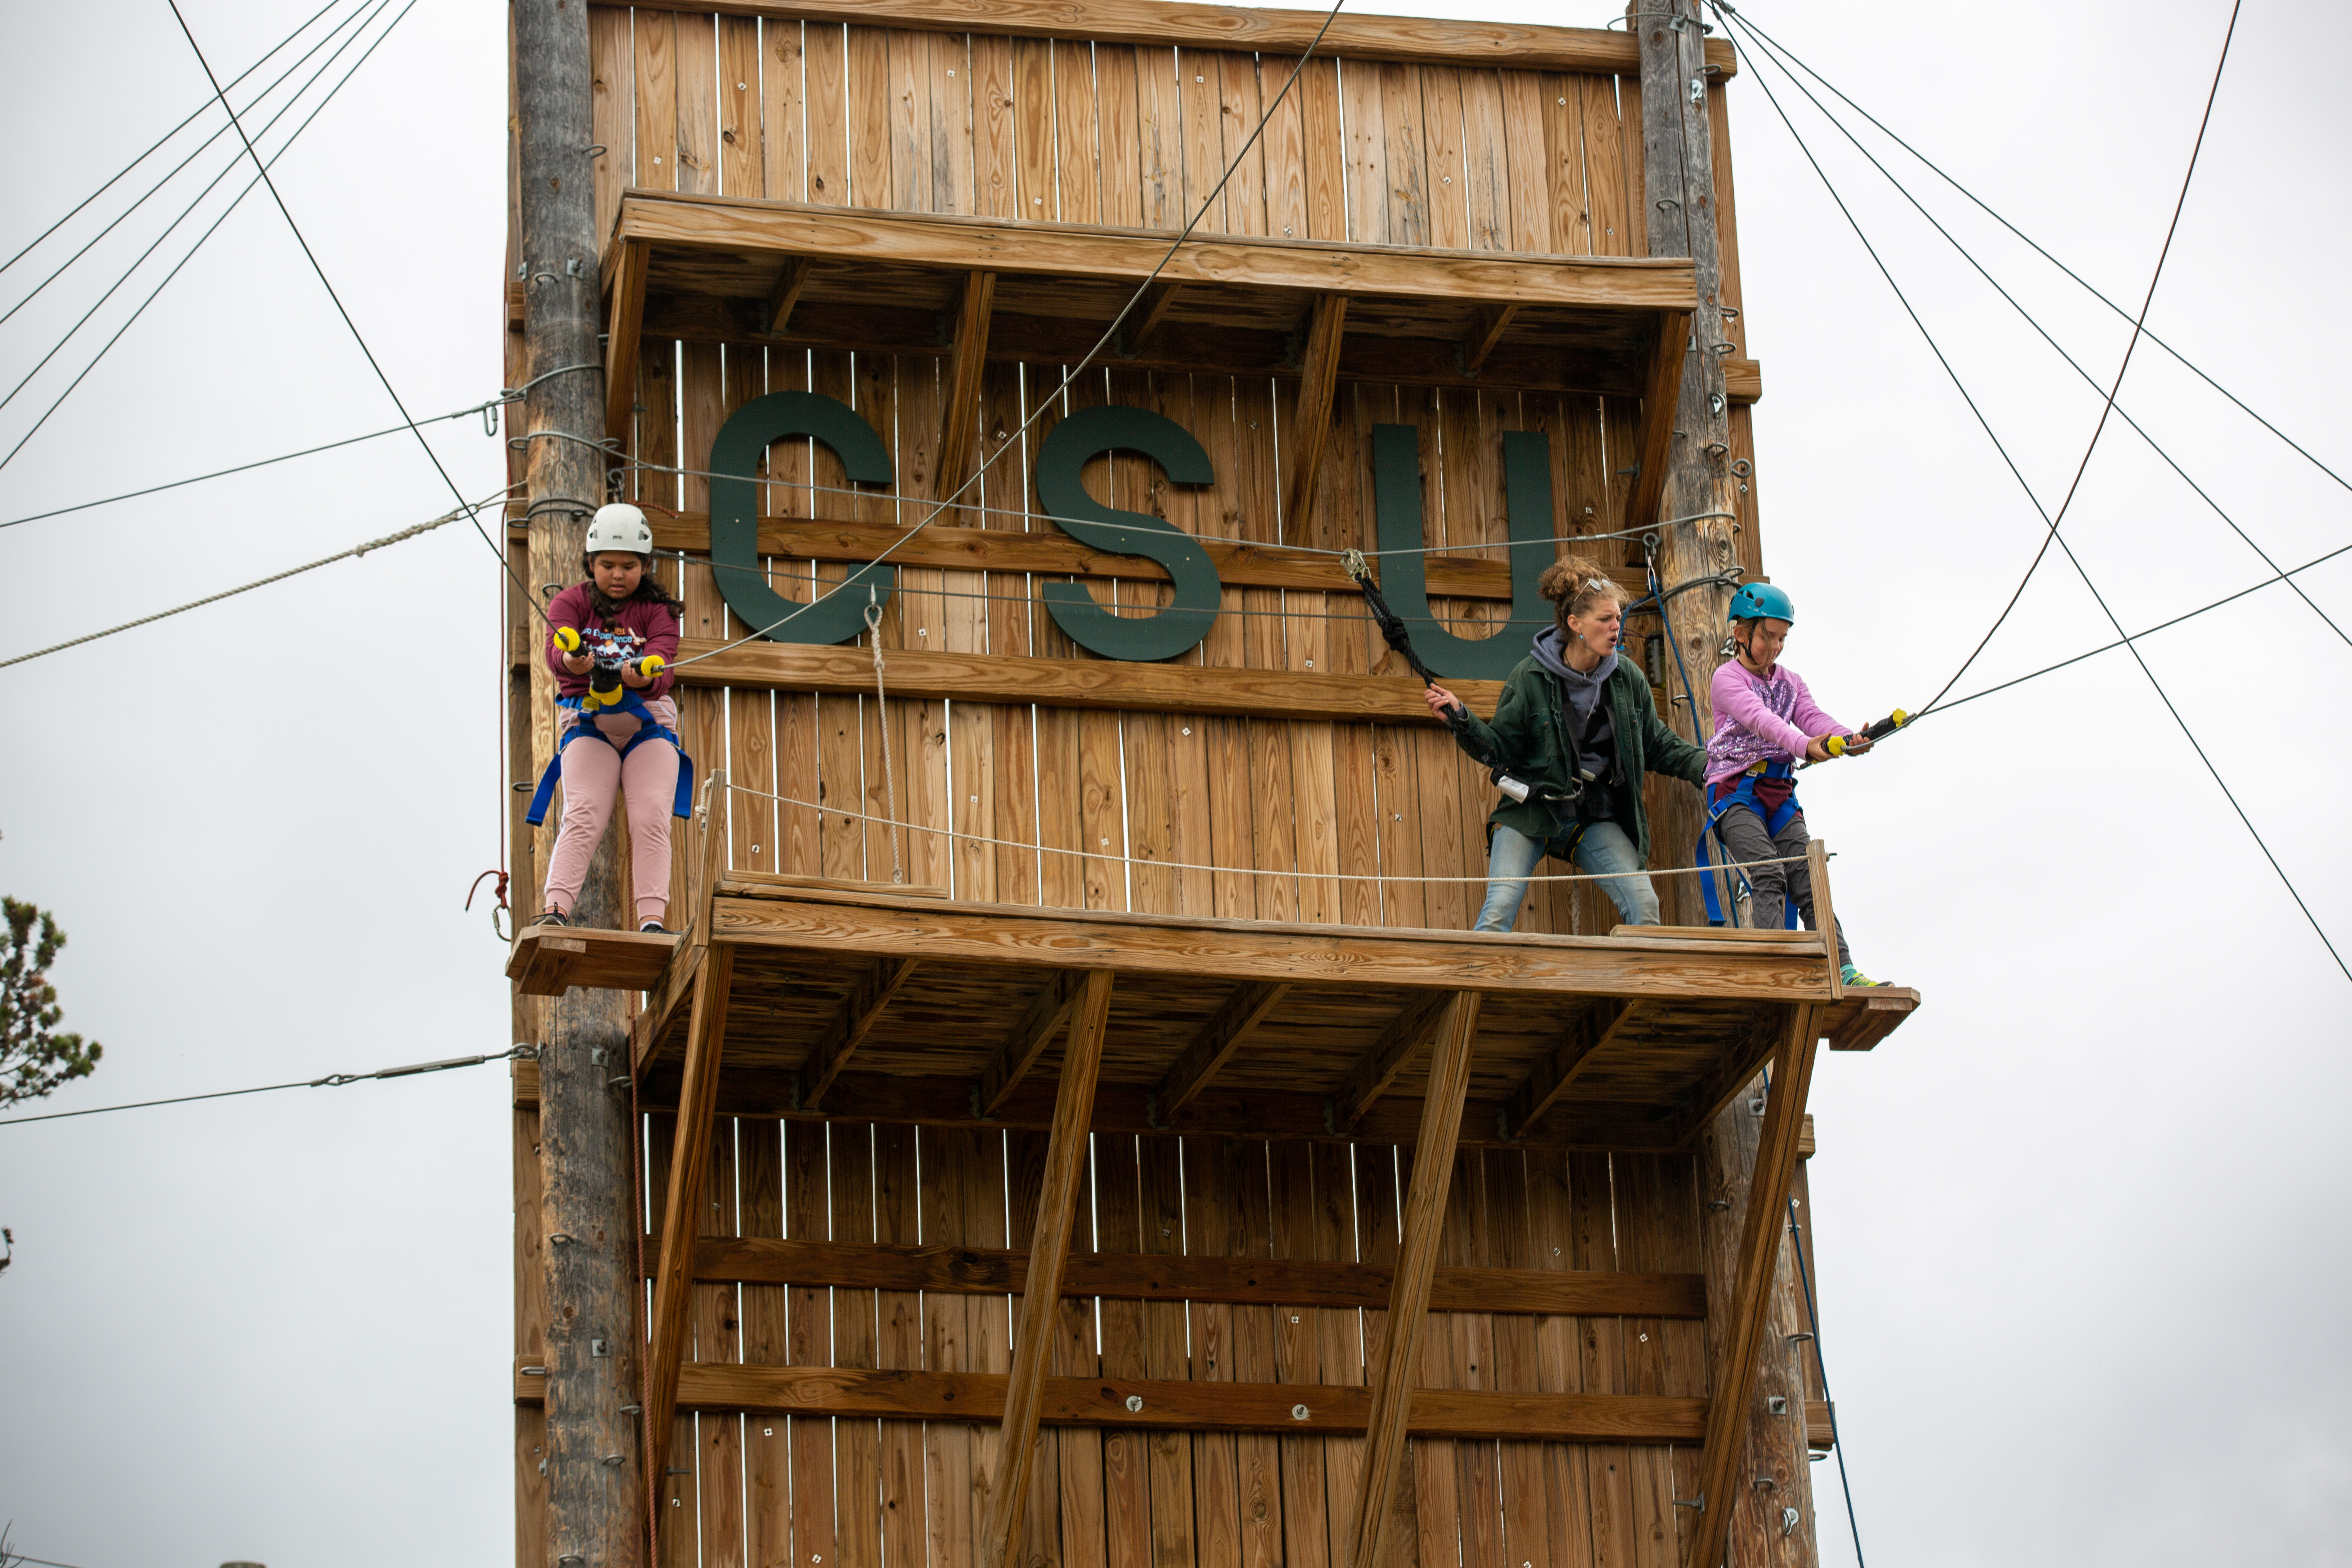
(1087,434)
(735,456)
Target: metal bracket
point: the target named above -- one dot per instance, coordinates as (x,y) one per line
(1774,1404)
(1699,1502)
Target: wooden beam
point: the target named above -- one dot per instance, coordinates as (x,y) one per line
(1024,937)
(1059,250)
(790,281)
(1030,1036)
(1866,1016)
(1728,1078)
(1740,1344)
(1071,682)
(1135,333)
(1553,1075)
(1414,41)
(960,426)
(1378,1067)
(1319,384)
(1217,1041)
(1654,440)
(1040,1306)
(1817,868)
(859,1015)
(957,1271)
(1493,322)
(631,266)
(1391,1417)
(682,1208)
(1002,550)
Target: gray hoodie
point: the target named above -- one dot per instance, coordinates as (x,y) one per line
(1584,688)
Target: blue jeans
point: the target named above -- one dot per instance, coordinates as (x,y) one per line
(1512,856)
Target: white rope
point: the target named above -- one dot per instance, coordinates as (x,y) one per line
(1042,849)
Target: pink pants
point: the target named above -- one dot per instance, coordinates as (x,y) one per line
(649,779)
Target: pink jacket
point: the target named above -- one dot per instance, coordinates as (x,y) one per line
(653,628)
(1760,719)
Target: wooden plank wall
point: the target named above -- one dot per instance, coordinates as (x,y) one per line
(1371,151)
(1368,151)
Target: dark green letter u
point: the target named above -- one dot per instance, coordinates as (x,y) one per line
(1404,578)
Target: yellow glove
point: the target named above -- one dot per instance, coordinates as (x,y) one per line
(567,638)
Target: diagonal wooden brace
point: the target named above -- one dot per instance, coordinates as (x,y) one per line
(1739,1346)
(1057,1201)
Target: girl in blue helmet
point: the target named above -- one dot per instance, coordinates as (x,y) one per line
(1765,720)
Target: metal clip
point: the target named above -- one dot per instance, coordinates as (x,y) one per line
(1698,89)
(1789,1518)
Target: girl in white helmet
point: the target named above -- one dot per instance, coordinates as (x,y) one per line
(619,622)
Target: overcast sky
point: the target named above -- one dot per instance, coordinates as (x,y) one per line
(2083,1222)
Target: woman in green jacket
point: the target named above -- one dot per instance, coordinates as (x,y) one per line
(1576,730)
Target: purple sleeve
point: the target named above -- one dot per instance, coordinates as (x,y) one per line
(1808,715)
(659,627)
(1736,700)
(569,609)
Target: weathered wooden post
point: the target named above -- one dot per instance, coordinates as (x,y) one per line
(595,1470)
(1678,193)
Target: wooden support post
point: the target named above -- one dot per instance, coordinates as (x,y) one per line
(1027,1042)
(627,322)
(1370,1077)
(1549,1081)
(1493,322)
(1057,1199)
(681,1207)
(786,293)
(849,1028)
(1319,384)
(960,426)
(1678,198)
(1817,865)
(595,1509)
(1216,1042)
(1425,1211)
(1739,1342)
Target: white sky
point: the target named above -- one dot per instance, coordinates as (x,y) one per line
(2084,1221)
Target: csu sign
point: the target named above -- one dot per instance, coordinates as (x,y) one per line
(1077,440)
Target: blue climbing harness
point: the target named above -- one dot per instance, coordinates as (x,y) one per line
(1773,821)
(594,705)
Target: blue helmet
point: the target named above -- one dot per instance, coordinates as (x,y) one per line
(1762,602)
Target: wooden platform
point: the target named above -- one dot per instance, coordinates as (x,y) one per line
(877,1004)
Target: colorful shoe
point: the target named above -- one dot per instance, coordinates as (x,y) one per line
(1850,975)
(551,918)
(655,928)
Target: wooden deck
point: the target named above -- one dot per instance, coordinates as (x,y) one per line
(875,1005)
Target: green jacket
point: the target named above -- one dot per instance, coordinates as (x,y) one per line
(1527,739)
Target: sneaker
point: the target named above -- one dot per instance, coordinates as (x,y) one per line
(655,928)
(551,918)
(1850,975)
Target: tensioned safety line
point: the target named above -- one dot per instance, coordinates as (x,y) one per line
(1937,170)
(2072,363)
(185,212)
(333,1080)
(141,199)
(2054,535)
(898,497)
(721,780)
(300,29)
(357,336)
(356,549)
(1070,375)
(506,396)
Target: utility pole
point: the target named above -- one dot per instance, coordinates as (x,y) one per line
(596,1468)
(1770,1520)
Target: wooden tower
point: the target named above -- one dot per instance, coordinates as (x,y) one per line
(1155,1170)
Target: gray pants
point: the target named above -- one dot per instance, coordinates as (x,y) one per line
(1743,836)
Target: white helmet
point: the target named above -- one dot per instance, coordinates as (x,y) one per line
(619,526)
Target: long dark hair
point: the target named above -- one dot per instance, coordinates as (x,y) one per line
(649,591)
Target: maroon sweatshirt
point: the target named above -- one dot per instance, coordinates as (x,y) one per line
(647,628)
